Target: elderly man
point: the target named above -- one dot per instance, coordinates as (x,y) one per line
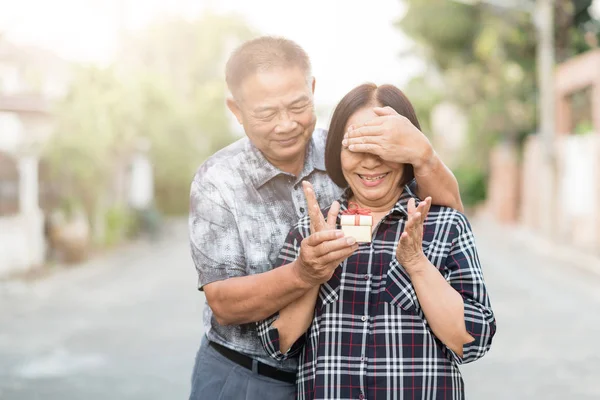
(246,197)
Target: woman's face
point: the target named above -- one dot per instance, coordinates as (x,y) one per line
(374,182)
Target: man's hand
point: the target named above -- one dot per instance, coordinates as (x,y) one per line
(326,247)
(410,248)
(392,137)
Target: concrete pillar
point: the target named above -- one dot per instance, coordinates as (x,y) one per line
(31,216)
(28,184)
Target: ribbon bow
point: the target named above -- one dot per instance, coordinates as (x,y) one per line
(357,211)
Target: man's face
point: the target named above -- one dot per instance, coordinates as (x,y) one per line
(277,111)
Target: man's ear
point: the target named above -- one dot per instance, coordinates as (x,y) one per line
(314,81)
(234,108)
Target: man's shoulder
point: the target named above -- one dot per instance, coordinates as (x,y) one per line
(320,138)
(225,162)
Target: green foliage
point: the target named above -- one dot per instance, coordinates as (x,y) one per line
(472,181)
(120,223)
(184,97)
(166,89)
(486,59)
(423,96)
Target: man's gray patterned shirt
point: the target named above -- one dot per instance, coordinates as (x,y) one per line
(241,210)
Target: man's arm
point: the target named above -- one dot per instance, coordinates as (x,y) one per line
(395,138)
(251,298)
(436,180)
(217,251)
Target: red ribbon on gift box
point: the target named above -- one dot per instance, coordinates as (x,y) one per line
(357,211)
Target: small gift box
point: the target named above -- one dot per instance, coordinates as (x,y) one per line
(357,222)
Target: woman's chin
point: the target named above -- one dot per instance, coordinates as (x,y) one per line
(371,196)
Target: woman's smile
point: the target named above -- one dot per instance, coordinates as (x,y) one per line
(372,180)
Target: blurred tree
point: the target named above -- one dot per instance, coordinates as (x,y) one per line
(485,57)
(183,62)
(168,88)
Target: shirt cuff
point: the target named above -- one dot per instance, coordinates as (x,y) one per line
(481,325)
(269,336)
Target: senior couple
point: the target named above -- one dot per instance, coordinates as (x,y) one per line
(296,308)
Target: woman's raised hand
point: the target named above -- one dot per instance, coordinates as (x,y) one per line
(410,248)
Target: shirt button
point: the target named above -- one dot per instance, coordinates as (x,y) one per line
(362,358)
(363,318)
(361,397)
(367,277)
(302,210)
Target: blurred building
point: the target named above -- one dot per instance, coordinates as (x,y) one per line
(31,80)
(559,198)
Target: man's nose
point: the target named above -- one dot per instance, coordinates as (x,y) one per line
(285,123)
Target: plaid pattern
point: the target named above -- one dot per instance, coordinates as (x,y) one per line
(241,209)
(369,338)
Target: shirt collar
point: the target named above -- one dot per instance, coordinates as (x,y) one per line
(401,205)
(263,171)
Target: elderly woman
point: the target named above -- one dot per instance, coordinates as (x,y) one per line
(408,306)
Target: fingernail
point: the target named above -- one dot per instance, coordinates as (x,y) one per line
(350,240)
(344,142)
(351,147)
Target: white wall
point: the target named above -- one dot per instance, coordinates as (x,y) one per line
(21,242)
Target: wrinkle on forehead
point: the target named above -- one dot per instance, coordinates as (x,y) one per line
(275,87)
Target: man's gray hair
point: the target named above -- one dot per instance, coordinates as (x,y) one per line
(263,54)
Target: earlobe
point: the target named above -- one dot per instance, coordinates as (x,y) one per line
(234,108)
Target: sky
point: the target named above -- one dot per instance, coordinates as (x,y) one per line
(349,41)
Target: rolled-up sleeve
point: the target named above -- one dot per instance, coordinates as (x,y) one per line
(215,243)
(463,272)
(268,334)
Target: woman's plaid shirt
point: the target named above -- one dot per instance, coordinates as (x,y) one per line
(369,338)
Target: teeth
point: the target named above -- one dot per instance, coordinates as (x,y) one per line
(375,178)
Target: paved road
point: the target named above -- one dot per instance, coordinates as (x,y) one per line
(126,326)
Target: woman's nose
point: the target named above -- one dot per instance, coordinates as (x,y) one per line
(371,160)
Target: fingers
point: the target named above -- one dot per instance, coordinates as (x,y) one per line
(338,256)
(332,215)
(382,111)
(317,221)
(411,206)
(318,238)
(363,131)
(413,222)
(404,240)
(425,209)
(366,148)
(327,251)
(362,140)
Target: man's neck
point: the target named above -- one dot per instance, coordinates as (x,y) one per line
(294,168)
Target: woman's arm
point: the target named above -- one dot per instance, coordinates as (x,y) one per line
(442,305)
(295,319)
(456,307)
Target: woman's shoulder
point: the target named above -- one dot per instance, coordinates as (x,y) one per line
(448,218)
